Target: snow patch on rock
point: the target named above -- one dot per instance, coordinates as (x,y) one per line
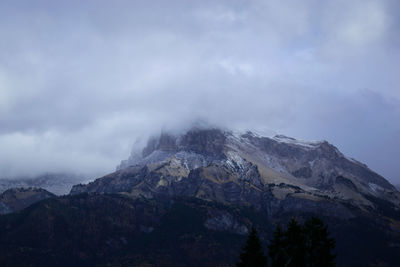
(289,140)
(375,187)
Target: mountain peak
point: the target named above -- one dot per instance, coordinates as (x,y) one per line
(223,157)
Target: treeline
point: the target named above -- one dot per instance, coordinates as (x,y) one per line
(307,245)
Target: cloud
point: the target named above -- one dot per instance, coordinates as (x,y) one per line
(80,82)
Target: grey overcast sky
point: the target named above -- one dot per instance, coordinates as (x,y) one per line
(81,81)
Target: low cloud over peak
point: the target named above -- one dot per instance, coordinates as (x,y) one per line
(80,82)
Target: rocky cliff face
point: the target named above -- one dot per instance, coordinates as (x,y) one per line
(270,173)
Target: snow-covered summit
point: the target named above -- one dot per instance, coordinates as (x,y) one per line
(290,140)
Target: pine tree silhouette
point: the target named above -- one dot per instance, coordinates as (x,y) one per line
(302,246)
(295,245)
(319,244)
(277,253)
(252,254)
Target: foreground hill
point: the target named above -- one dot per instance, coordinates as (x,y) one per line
(16,199)
(116,230)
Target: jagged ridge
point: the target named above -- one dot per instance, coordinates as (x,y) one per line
(245,168)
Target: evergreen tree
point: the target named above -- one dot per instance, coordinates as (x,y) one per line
(295,245)
(319,244)
(277,253)
(308,245)
(252,254)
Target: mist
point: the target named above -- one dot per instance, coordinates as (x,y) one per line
(81,83)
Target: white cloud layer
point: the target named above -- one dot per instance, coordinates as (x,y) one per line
(81,81)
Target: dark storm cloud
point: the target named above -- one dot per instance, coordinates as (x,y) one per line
(80,81)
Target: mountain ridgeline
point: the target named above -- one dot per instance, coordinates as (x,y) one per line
(192,198)
(247,169)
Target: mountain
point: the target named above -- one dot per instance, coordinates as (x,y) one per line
(248,169)
(57,183)
(191,199)
(16,199)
